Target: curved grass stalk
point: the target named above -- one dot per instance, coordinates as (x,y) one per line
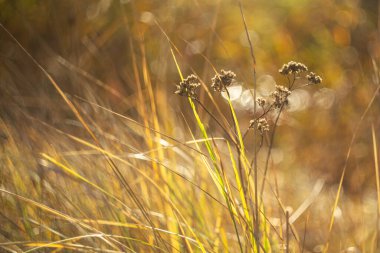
(215,173)
(60,214)
(142,173)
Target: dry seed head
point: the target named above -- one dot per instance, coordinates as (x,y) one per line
(280,96)
(313,78)
(261,102)
(188,86)
(221,81)
(292,67)
(262,125)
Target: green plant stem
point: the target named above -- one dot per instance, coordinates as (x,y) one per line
(216,120)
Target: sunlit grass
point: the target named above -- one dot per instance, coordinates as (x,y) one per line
(151,172)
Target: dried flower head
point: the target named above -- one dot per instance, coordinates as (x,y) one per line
(187,87)
(292,67)
(261,101)
(313,78)
(280,96)
(262,125)
(222,80)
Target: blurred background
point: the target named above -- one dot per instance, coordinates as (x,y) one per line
(109,51)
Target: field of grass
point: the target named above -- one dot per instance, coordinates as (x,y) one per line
(189,126)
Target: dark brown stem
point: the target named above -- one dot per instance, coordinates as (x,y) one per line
(270,151)
(290,85)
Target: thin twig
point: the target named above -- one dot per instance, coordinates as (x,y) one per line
(256,220)
(290,85)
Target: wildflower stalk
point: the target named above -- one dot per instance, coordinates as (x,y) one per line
(270,151)
(252,217)
(283,103)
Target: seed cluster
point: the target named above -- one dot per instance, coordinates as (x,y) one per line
(313,78)
(221,81)
(262,125)
(224,79)
(280,96)
(261,102)
(188,86)
(292,67)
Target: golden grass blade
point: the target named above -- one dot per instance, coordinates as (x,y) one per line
(239,186)
(80,177)
(187,242)
(237,127)
(376,161)
(58,244)
(176,64)
(377,174)
(144,126)
(242,197)
(59,214)
(218,179)
(162,172)
(62,244)
(161,191)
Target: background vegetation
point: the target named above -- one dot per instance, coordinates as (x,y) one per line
(103,185)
